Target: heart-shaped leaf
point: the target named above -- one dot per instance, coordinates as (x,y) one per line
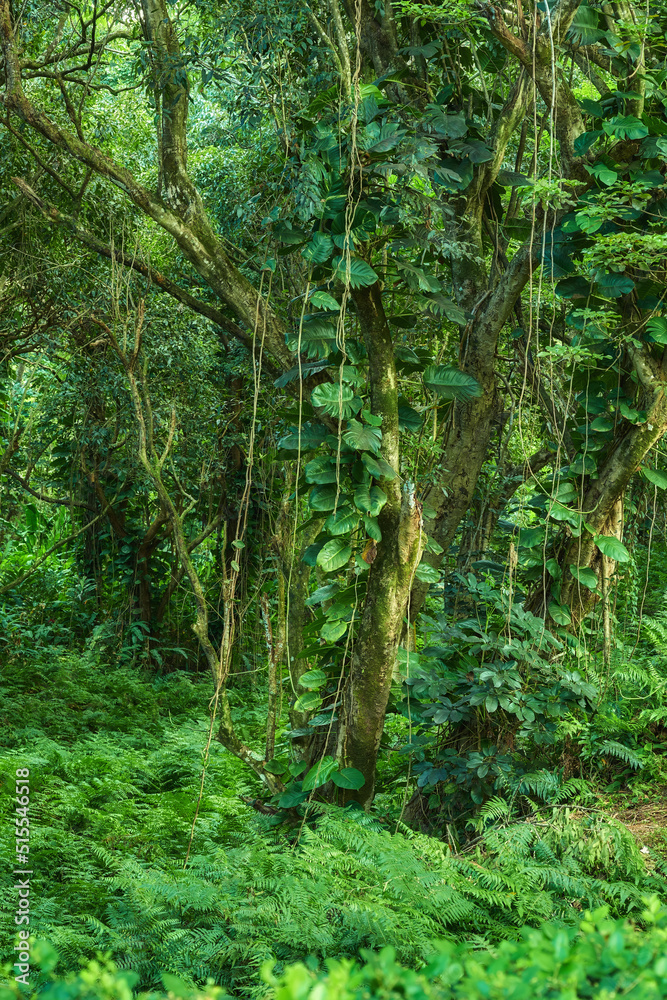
(342,521)
(658,479)
(313,679)
(585,576)
(348,777)
(362,437)
(370,500)
(612,548)
(334,555)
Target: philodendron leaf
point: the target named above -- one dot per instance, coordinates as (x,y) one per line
(560,614)
(585,576)
(275,767)
(354,272)
(450,383)
(290,799)
(370,500)
(313,679)
(362,437)
(612,548)
(319,773)
(334,555)
(372,528)
(409,419)
(625,127)
(348,777)
(342,521)
(378,467)
(322,594)
(657,328)
(334,398)
(427,574)
(308,702)
(321,470)
(322,300)
(319,249)
(323,497)
(658,479)
(333,631)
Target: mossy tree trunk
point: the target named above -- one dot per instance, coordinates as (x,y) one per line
(367,691)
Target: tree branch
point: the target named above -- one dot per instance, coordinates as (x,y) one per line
(161,282)
(42,496)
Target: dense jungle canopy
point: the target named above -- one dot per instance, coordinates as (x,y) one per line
(333,536)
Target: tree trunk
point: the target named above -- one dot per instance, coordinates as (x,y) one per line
(470,423)
(602,498)
(390,576)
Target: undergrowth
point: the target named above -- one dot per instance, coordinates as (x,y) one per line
(115,761)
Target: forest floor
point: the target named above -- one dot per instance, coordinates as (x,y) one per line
(115,762)
(647,822)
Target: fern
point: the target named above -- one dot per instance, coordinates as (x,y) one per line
(614,749)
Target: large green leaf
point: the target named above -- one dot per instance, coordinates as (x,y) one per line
(313,679)
(322,300)
(308,701)
(355,272)
(372,528)
(319,249)
(612,548)
(584,29)
(323,497)
(315,328)
(409,419)
(292,798)
(657,328)
(585,576)
(378,467)
(450,383)
(625,127)
(335,399)
(658,479)
(560,613)
(333,631)
(308,437)
(342,521)
(322,594)
(319,773)
(348,777)
(301,371)
(614,284)
(334,555)
(362,437)
(530,537)
(371,500)
(453,126)
(427,574)
(583,465)
(321,470)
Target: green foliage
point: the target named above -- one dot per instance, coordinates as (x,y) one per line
(601,957)
(598,957)
(113,794)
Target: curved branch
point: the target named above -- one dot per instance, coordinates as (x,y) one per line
(160,281)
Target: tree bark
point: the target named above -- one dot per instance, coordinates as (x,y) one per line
(469,427)
(390,576)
